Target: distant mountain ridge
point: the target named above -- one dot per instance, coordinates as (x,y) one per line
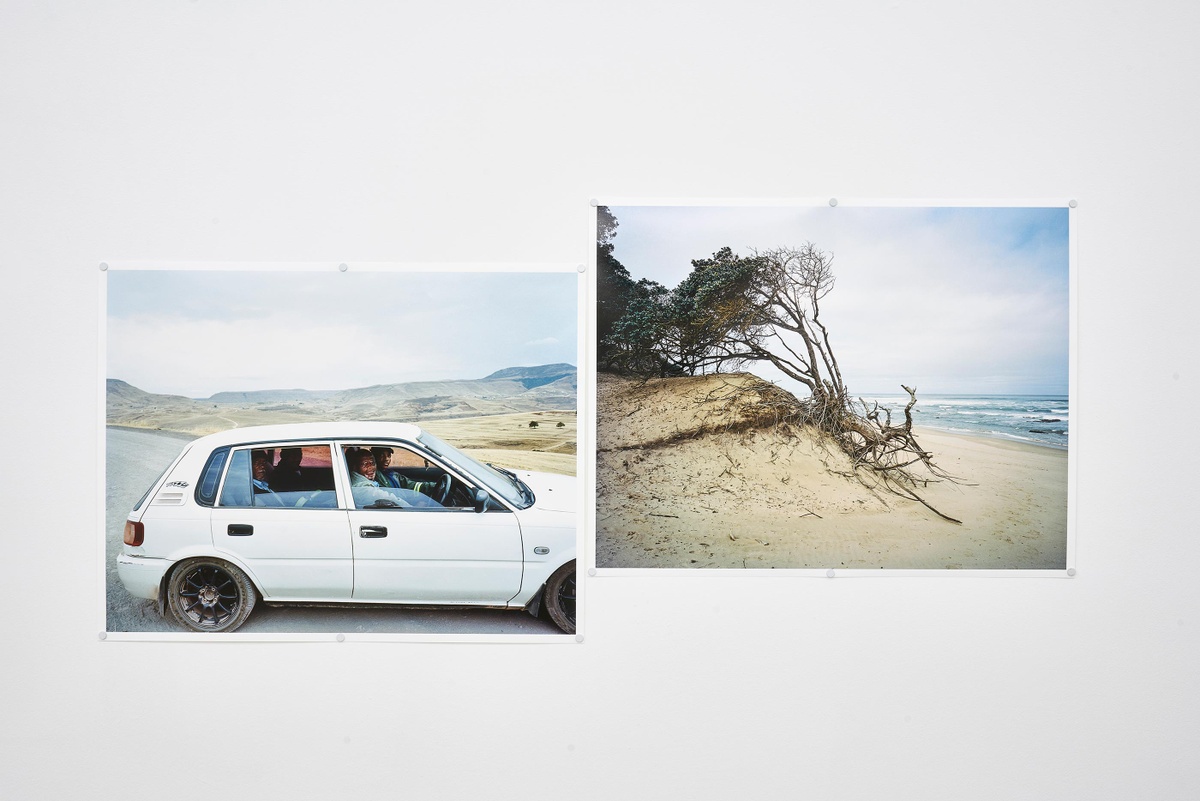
(535,376)
(122,393)
(551,387)
(529,377)
(271,396)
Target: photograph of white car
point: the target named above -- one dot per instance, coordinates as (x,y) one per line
(360,513)
(298,450)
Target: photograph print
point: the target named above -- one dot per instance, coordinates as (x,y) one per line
(833,387)
(305,451)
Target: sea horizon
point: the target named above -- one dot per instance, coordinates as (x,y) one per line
(1031,418)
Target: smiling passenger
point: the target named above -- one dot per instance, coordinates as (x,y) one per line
(362,469)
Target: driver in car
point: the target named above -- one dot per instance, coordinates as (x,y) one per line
(383,459)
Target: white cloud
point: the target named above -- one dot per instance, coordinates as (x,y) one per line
(202,333)
(960,300)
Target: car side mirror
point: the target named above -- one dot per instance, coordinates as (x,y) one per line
(481,500)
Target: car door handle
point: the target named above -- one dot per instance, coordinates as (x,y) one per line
(236,530)
(372,532)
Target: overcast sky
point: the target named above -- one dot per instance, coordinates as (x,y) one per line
(196,333)
(951,300)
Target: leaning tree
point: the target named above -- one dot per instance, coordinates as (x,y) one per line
(767,308)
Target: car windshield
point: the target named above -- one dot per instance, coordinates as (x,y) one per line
(502,483)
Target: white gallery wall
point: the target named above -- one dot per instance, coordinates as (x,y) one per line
(477,131)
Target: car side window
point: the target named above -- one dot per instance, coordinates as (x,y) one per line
(236,491)
(288,477)
(391,476)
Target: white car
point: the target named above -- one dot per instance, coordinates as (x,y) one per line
(347,513)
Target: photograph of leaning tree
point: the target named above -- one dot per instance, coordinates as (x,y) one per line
(824,387)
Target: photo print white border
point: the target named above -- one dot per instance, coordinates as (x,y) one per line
(1076,424)
(583,444)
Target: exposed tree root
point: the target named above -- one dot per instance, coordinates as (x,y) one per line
(881,454)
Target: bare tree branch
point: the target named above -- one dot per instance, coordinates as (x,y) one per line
(732,312)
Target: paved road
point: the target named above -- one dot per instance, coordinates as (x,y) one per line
(134,459)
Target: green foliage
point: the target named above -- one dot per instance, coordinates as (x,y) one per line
(681,331)
(606,225)
(635,340)
(730,310)
(717,296)
(614,286)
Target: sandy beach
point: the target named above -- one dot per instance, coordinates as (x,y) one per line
(678,487)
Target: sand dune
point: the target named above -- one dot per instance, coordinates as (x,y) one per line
(680,484)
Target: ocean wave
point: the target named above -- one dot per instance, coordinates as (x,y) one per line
(1037,420)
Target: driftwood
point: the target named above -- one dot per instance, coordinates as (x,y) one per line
(882,454)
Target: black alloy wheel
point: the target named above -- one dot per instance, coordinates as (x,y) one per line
(560,597)
(210,595)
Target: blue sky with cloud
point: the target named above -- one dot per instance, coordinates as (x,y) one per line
(198,332)
(951,300)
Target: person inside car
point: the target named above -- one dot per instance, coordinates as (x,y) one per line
(383,459)
(286,476)
(260,475)
(363,472)
(368,491)
(260,469)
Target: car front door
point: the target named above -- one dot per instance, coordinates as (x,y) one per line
(295,542)
(426,553)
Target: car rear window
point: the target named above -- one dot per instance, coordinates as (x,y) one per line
(210,478)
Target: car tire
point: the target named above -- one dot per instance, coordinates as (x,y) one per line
(210,595)
(559,597)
